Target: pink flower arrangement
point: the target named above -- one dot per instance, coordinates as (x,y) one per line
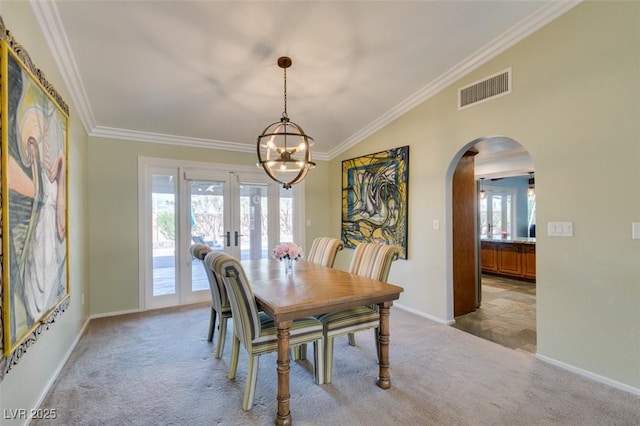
(287,251)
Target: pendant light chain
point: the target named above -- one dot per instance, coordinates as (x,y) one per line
(285,93)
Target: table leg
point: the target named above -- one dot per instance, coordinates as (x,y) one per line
(384,378)
(284,414)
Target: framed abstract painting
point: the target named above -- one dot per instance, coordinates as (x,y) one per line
(34,138)
(375,190)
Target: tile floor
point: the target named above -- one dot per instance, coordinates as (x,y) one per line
(507,314)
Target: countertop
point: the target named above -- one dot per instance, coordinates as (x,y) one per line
(520,240)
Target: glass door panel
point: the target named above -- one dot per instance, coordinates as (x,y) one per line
(252,238)
(286,215)
(507,216)
(484,222)
(207,224)
(496,215)
(163,234)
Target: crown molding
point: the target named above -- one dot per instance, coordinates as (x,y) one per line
(49,20)
(161,138)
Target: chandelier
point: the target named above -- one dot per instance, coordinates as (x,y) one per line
(283,147)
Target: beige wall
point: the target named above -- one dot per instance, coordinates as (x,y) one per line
(26,382)
(575,107)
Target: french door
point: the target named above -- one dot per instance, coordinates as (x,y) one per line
(238,211)
(497,213)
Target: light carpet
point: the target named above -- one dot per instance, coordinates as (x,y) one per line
(156,368)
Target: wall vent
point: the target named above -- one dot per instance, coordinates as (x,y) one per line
(481,91)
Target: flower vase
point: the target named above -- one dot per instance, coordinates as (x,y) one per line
(288,265)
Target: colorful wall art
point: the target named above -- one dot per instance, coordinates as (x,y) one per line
(375,191)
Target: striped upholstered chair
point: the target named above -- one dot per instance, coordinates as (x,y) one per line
(324,250)
(372,261)
(219,301)
(256,330)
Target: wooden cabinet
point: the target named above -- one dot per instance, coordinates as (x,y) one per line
(529,261)
(509,258)
(489,256)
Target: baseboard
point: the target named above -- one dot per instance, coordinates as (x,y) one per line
(157,308)
(423,315)
(113,314)
(589,375)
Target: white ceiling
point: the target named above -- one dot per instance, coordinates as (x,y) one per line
(204,73)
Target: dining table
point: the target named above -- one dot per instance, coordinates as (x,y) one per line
(312,289)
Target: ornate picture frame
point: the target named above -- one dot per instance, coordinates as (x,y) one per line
(375,191)
(35,245)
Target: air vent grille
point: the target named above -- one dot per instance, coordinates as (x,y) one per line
(491,87)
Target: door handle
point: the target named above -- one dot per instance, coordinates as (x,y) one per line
(236,235)
(229,239)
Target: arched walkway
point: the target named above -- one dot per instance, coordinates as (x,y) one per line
(500,306)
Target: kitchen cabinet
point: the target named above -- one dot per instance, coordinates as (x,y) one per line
(529,261)
(489,257)
(510,258)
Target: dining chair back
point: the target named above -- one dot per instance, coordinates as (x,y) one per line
(219,301)
(199,251)
(324,250)
(372,261)
(256,330)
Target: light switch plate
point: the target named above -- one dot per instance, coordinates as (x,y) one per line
(560,229)
(635,231)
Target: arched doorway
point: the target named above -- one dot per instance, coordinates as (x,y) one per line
(493,251)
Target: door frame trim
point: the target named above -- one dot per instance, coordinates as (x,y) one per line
(144,186)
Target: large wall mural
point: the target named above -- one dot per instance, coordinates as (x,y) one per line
(375,190)
(34,258)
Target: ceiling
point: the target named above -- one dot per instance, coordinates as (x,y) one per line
(204,73)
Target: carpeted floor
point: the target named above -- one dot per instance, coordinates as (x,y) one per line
(157,368)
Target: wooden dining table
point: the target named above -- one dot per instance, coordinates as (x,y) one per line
(312,289)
